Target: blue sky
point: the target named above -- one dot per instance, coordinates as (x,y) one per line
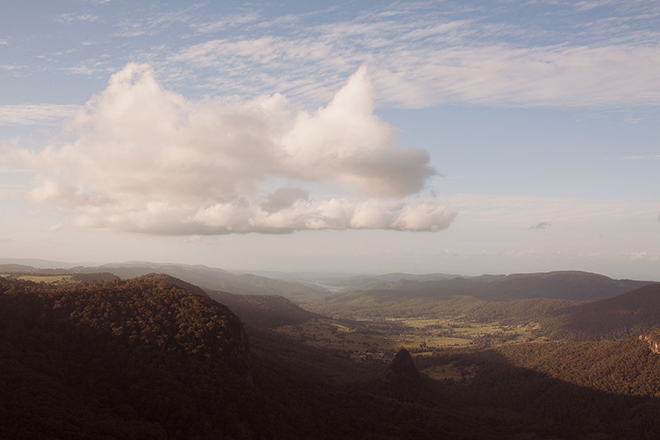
(457,137)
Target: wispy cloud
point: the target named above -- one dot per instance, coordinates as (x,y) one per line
(150,23)
(420,53)
(226,22)
(85,69)
(424,57)
(29,114)
(70,18)
(591,4)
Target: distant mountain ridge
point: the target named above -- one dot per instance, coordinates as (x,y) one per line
(568,285)
(262,306)
(498,297)
(198,275)
(37,263)
(381,281)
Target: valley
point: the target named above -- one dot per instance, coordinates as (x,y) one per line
(94,352)
(382,339)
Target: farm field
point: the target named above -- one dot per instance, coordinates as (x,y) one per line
(381,339)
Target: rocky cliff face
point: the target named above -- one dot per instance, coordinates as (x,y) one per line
(653,339)
(402,372)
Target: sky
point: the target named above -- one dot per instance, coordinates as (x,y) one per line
(461,137)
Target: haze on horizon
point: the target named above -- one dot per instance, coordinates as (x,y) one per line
(453,137)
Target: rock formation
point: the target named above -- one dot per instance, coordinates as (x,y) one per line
(402,372)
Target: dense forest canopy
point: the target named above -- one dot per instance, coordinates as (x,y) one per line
(158,357)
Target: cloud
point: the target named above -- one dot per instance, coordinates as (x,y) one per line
(30,114)
(541,225)
(154,21)
(548,76)
(420,57)
(283,198)
(70,18)
(6,241)
(587,5)
(226,22)
(148,160)
(83,69)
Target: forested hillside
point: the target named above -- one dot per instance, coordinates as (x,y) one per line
(268,311)
(623,316)
(153,357)
(130,359)
(626,367)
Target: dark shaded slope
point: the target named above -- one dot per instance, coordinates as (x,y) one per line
(504,389)
(626,367)
(265,311)
(333,398)
(501,399)
(295,291)
(623,316)
(134,359)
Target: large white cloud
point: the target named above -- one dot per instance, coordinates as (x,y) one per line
(148,160)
